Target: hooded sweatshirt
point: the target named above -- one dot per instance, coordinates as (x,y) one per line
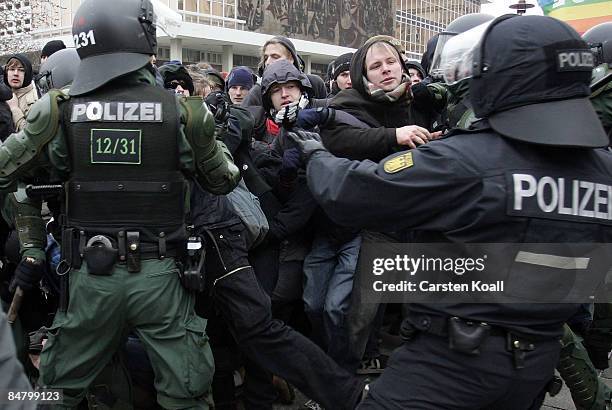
(27,95)
(379,141)
(318,86)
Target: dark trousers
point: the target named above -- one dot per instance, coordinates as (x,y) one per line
(268,343)
(425,374)
(278,348)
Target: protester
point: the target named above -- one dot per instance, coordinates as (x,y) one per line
(18,76)
(340,78)
(380,99)
(239,81)
(50,48)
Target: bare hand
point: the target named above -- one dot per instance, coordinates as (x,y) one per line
(413,135)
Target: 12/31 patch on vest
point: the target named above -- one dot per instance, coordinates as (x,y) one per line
(110,146)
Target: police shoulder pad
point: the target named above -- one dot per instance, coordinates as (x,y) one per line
(398,163)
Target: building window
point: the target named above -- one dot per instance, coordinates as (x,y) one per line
(181,6)
(248,61)
(318,69)
(191,56)
(163,53)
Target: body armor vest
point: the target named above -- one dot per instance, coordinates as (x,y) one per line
(124,153)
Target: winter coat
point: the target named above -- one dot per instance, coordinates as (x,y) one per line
(26,97)
(379,141)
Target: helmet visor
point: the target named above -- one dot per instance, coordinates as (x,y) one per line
(457,56)
(435,70)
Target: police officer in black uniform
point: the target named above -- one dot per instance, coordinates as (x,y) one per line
(489,185)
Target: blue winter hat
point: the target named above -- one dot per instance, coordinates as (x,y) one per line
(241,76)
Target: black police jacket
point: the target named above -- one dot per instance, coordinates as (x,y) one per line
(476,188)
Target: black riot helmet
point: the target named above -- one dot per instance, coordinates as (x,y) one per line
(113,38)
(59,70)
(599,38)
(536,91)
(457,26)
(464,23)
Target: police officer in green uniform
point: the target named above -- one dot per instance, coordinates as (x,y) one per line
(523,134)
(599,39)
(124,149)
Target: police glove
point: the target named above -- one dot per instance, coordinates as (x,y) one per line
(312,117)
(597,346)
(422,95)
(27,274)
(308,142)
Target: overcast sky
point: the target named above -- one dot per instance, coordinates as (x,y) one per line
(499,7)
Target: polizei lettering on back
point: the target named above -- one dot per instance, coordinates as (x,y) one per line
(556,197)
(117,111)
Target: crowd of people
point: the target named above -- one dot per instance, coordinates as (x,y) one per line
(184,238)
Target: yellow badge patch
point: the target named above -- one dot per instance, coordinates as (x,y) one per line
(398,163)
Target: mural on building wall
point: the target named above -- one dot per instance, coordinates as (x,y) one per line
(344,22)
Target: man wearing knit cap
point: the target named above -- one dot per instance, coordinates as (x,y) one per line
(341,75)
(281,48)
(50,48)
(239,81)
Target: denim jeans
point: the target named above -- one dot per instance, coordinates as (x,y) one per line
(329,270)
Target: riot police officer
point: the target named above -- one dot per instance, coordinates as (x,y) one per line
(599,39)
(523,94)
(125,149)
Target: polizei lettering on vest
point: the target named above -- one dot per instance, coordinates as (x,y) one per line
(117,111)
(562,197)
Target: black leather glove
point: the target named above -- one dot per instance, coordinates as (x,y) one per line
(27,274)
(219,106)
(597,345)
(422,95)
(308,142)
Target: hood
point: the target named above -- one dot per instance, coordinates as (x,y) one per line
(27,79)
(282,71)
(170,72)
(417,66)
(297,60)
(358,62)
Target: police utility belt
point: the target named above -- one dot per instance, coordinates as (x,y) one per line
(465,336)
(102,252)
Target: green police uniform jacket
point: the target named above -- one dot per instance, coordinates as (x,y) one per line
(44,143)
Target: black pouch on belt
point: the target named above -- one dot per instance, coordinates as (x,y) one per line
(100,256)
(133,251)
(466,337)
